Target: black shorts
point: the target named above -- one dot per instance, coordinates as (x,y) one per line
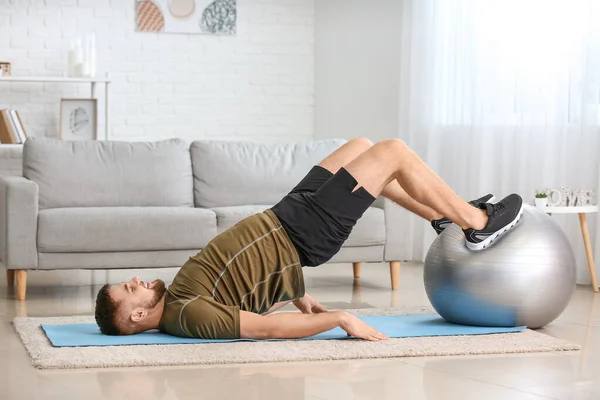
(320,212)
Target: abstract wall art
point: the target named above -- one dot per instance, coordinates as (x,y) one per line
(210,17)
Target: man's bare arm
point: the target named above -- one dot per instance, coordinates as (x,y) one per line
(295,325)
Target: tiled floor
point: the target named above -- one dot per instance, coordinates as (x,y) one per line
(569,376)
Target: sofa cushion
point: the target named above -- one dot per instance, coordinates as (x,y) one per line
(244,173)
(229,216)
(91,229)
(369,230)
(109,173)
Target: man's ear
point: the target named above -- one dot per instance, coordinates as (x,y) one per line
(138,314)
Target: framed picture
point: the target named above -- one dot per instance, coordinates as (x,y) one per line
(5,69)
(78,119)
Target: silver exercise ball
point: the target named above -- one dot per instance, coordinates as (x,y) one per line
(526,277)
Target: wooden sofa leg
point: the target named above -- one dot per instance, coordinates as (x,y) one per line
(356,270)
(10,278)
(21,283)
(395,274)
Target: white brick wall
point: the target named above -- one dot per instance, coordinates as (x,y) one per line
(257,85)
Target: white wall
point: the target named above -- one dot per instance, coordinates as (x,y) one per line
(357,64)
(258,84)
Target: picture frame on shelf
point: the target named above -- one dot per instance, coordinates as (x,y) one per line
(78,119)
(5,69)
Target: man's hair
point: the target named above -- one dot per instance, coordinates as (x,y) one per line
(106,310)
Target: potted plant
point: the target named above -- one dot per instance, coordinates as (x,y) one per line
(541,200)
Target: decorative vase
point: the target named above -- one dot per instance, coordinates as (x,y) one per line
(541,203)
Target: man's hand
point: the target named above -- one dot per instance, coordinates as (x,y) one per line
(308,305)
(359,329)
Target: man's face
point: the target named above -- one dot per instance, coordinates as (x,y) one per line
(136,294)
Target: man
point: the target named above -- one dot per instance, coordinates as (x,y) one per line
(230,289)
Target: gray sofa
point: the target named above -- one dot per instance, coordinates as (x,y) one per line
(108,204)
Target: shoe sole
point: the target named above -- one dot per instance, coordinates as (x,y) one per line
(487,242)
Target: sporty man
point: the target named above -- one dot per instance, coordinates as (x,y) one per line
(230,289)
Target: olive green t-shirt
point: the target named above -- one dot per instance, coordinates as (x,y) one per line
(249,267)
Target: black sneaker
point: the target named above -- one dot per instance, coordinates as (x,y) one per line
(440,224)
(502,216)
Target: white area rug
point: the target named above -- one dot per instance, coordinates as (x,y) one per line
(44,356)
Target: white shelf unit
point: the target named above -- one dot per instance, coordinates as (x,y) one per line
(93,82)
(570,210)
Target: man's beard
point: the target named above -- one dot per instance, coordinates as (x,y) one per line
(159,290)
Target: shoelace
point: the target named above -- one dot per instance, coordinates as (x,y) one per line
(498,207)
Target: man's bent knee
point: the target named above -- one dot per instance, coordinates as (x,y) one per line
(391,147)
(394,144)
(362,142)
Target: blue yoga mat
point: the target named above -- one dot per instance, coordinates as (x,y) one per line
(74,335)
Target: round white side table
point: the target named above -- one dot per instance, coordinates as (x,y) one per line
(581,211)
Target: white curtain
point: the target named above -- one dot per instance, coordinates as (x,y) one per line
(502,96)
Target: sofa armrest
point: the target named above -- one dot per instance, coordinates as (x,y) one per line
(18,222)
(407,236)
(404,233)
(394,234)
(379,202)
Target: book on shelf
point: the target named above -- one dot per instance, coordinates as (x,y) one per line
(5,128)
(11,127)
(19,124)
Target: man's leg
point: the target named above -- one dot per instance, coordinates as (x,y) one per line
(392,167)
(392,159)
(393,191)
